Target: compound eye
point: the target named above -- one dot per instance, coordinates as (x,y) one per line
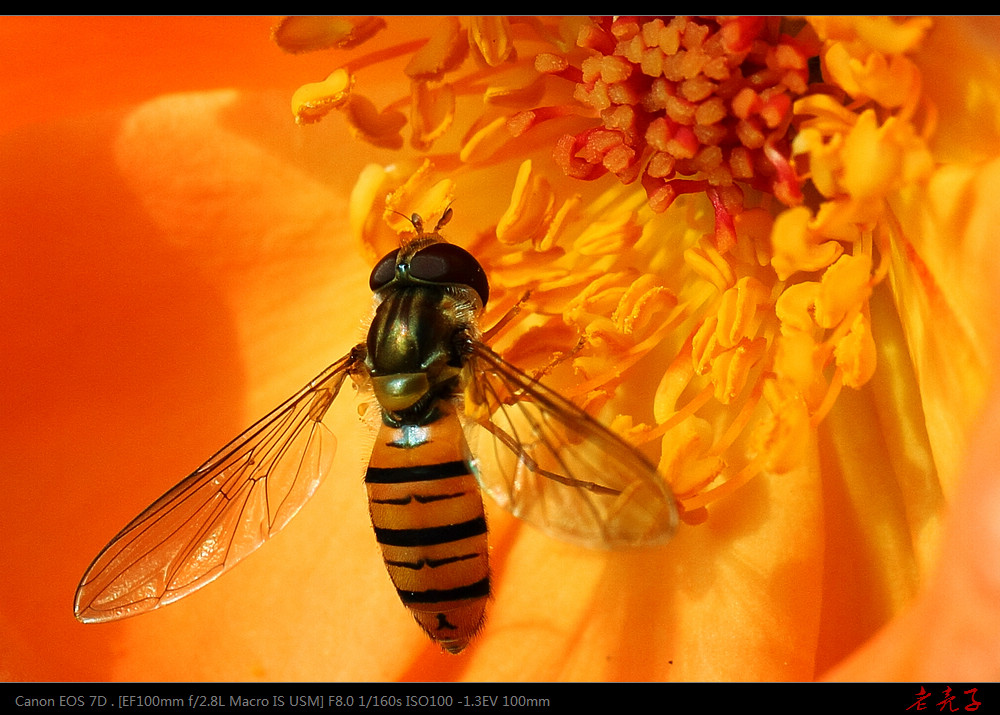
(384,271)
(447,263)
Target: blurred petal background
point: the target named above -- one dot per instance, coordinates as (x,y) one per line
(178,259)
(144,246)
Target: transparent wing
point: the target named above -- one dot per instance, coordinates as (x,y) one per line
(548,462)
(222,512)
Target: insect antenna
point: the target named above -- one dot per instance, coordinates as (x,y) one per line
(417,221)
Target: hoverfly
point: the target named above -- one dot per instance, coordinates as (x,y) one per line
(436,383)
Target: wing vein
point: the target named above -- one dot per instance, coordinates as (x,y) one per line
(222,511)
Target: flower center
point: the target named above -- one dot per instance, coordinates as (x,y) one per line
(695,203)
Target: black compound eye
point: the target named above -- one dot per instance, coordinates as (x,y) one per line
(447,263)
(384,271)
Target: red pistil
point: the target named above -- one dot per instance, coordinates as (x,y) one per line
(707,100)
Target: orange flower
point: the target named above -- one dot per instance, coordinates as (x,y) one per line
(732,280)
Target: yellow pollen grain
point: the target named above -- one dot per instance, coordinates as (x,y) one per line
(731,370)
(444,51)
(794,307)
(871,164)
(855,353)
(422,193)
(705,260)
(642,301)
(311,102)
(530,205)
(304,34)
(432,111)
(491,36)
(845,286)
(381,128)
(521,87)
(737,314)
(612,235)
(797,247)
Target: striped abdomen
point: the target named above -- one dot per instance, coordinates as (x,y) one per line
(427,511)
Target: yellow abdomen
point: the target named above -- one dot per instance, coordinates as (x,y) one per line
(427,511)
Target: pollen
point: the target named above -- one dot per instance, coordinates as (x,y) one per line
(305,34)
(689,99)
(313,101)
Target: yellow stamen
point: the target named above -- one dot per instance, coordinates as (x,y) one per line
(774,184)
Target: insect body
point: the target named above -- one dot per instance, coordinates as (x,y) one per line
(435,382)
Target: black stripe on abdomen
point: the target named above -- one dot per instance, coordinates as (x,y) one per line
(431,563)
(416,473)
(479,589)
(419,499)
(431,535)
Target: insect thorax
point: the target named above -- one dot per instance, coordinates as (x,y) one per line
(414,355)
